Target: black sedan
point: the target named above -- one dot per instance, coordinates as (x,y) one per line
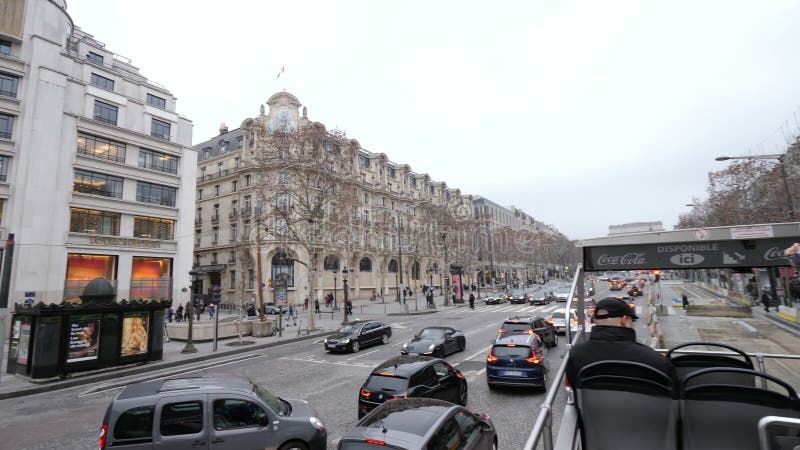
(494,299)
(519,299)
(353,336)
(421,424)
(435,341)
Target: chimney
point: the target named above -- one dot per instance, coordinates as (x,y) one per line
(223,128)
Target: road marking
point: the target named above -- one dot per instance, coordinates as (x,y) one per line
(397,325)
(323,361)
(173,374)
(362,354)
(473,376)
(481,351)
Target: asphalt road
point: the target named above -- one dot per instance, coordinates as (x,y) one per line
(71,418)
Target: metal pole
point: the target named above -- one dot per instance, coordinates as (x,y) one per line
(216,326)
(400,252)
(259,280)
(4,288)
(189,347)
(789,201)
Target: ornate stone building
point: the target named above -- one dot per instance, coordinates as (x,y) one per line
(318,207)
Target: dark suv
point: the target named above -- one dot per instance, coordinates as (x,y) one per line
(191,412)
(412,376)
(353,336)
(517,360)
(529,325)
(421,424)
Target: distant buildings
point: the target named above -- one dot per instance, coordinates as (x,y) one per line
(634,227)
(96,166)
(248,194)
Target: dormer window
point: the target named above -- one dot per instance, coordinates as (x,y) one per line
(363,161)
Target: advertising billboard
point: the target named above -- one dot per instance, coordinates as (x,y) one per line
(134,335)
(84,337)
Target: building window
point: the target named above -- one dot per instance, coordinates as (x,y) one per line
(234,185)
(234,231)
(97,184)
(153,228)
(151,159)
(8,85)
(160,129)
(281,263)
(363,161)
(6,125)
(102,82)
(216,189)
(158,102)
(251,279)
(392,266)
(94,222)
(283,178)
(281,227)
(331,263)
(155,193)
(105,112)
(5,48)
(247,204)
(236,162)
(223,146)
(246,230)
(4,161)
(366,217)
(199,194)
(83,268)
(233,279)
(247,180)
(216,235)
(365,265)
(95,58)
(390,171)
(151,277)
(101,148)
(232,256)
(282,202)
(238,144)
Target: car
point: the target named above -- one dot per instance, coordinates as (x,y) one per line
(355,335)
(178,413)
(541,300)
(421,424)
(590,291)
(517,360)
(494,299)
(529,325)
(557,320)
(588,304)
(562,296)
(435,341)
(635,291)
(519,299)
(412,376)
(271,308)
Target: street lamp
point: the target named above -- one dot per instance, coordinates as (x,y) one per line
(334,289)
(345,271)
(780,159)
(197,276)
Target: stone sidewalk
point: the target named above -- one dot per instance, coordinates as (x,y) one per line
(327,322)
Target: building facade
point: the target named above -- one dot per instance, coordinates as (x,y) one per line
(635,227)
(95,164)
(249,199)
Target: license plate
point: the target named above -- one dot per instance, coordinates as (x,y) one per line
(513,373)
(330,346)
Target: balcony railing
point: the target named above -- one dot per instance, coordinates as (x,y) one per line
(232,214)
(198,221)
(215,218)
(212,176)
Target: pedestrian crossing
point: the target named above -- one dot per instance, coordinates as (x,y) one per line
(519,309)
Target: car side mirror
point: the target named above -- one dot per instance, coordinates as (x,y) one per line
(485,427)
(263,419)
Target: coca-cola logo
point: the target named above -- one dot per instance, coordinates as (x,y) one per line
(626,259)
(773,254)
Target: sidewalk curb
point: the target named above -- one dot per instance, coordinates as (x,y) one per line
(148,367)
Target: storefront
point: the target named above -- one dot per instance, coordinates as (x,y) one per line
(151,277)
(83,268)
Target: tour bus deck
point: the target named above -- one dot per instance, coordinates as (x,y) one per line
(741,247)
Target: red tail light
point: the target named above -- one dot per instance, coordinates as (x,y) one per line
(501,331)
(364,392)
(530,331)
(491,358)
(375,442)
(101,441)
(551,320)
(458,374)
(533,359)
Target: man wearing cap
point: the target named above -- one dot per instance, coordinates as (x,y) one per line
(613,338)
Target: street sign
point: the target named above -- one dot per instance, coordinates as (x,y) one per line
(28,301)
(30,294)
(263,285)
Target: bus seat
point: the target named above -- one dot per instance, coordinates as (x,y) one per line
(688,363)
(718,415)
(642,398)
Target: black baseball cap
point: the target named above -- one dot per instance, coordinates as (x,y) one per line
(614,307)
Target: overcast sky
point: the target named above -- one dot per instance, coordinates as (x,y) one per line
(583,114)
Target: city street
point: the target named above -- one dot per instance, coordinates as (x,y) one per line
(330,382)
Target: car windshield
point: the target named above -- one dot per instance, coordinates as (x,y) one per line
(386,383)
(514,352)
(280,407)
(431,333)
(558,315)
(350,329)
(512,327)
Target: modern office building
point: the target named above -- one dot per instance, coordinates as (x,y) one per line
(96,166)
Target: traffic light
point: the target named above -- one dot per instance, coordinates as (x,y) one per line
(269,282)
(447,281)
(216,295)
(657,273)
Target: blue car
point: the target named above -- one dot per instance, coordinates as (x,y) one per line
(517,360)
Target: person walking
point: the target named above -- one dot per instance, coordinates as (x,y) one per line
(765,300)
(684,300)
(291,313)
(471,300)
(179,314)
(211,312)
(170,313)
(316,306)
(305,304)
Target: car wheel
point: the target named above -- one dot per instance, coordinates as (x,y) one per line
(494,444)
(490,386)
(462,344)
(294,445)
(463,395)
(544,382)
(385,339)
(439,352)
(354,347)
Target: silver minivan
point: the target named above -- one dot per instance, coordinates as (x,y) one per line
(211,414)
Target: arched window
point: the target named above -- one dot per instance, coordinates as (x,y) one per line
(435,267)
(282,263)
(415,270)
(331,263)
(393,266)
(365,265)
